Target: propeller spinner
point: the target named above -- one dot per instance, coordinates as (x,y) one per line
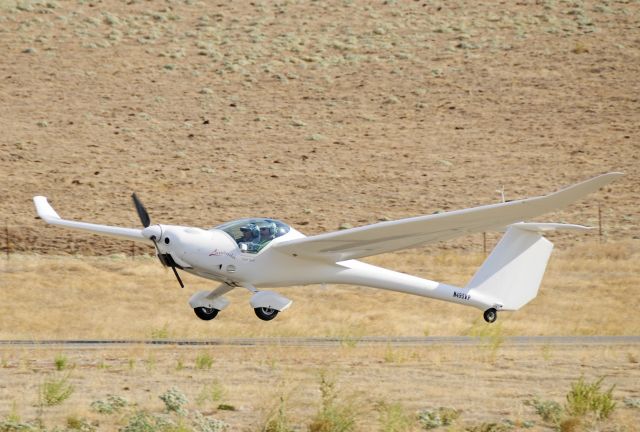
(154,233)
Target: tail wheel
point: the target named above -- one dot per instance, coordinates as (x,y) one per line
(265,313)
(205,313)
(490,315)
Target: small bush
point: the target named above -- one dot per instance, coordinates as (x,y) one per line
(333,416)
(431,419)
(550,411)
(161,333)
(587,398)
(632,403)
(142,421)
(112,404)
(60,362)
(489,427)
(204,361)
(174,401)
(17,426)
(207,424)
(393,418)
(79,424)
(213,392)
(277,420)
(571,424)
(55,391)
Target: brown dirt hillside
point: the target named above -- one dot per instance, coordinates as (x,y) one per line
(319,113)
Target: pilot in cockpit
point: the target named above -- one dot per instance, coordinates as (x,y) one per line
(250,235)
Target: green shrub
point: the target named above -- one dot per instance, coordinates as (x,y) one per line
(431,419)
(213,392)
(393,418)
(16,426)
(277,420)
(60,362)
(112,404)
(142,421)
(550,411)
(207,424)
(174,401)
(161,333)
(204,361)
(55,391)
(632,403)
(587,398)
(333,416)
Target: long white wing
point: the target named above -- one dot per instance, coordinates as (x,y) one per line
(49,215)
(406,233)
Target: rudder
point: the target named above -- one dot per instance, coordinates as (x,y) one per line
(511,275)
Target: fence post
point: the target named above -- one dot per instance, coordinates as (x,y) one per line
(600,222)
(6,233)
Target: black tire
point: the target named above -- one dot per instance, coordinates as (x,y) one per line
(490,315)
(265,314)
(206,313)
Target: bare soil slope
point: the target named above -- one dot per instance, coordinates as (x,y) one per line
(318,113)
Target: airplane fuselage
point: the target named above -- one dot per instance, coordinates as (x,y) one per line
(215,255)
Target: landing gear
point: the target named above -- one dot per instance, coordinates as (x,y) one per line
(205,313)
(490,315)
(265,313)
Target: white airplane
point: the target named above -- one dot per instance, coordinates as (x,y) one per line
(261,252)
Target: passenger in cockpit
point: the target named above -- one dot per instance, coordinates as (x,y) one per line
(267,233)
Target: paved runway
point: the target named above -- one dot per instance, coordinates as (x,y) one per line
(337,341)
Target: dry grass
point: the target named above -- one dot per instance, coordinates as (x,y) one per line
(256,378)
(587,290)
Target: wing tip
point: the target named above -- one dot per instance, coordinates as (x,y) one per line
(44,209)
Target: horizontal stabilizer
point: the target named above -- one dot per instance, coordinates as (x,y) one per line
(546,227)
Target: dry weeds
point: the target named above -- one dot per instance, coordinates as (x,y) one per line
(588,290)
(256,378)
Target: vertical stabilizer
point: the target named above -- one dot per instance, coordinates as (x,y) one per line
(511,275)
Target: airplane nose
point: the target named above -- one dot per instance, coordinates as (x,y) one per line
(153,232)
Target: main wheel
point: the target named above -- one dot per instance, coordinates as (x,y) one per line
(205,313)
(265,314)
(490,315)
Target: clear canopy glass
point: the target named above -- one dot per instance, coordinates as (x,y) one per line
(253,234)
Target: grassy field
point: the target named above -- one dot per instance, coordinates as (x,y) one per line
(587,290)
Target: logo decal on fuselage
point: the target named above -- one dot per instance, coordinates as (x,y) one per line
(218,252)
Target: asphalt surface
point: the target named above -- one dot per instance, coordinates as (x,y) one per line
(336,341)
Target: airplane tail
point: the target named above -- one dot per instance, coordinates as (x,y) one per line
(511,275)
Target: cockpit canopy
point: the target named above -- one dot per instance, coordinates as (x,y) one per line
(253,234)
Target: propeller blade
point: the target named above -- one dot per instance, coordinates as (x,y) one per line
(159,255)
(175,272)
(165,259)
(142,212)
